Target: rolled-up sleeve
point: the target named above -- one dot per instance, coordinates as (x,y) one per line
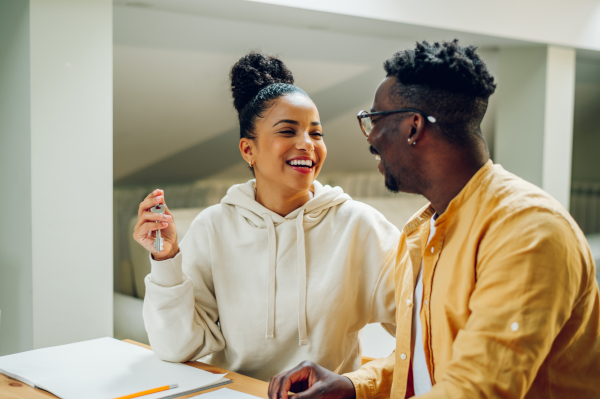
(528,272)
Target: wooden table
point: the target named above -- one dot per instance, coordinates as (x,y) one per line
(13,389)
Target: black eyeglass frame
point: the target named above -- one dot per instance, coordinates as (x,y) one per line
(364,114)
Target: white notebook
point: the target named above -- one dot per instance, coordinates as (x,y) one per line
(104,368)
(225,393)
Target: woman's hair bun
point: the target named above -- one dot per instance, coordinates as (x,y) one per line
(253,72)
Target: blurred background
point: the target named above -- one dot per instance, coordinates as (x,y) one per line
(105,101)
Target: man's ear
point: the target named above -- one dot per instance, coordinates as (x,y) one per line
(246,148)
(417,126)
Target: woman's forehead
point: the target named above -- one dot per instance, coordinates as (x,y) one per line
(295,106)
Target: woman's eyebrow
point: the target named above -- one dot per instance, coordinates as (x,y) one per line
(316,123)
(290,121)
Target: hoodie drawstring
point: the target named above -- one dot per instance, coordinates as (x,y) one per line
(301,278)
(271,276)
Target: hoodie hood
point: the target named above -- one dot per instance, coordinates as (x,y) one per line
(242,196)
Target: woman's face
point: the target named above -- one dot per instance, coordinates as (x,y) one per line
(288,149)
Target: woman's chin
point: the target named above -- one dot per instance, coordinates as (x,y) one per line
(301,181)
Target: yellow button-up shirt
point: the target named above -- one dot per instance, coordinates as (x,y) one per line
(511,307)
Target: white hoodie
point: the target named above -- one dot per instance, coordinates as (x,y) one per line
(262,292)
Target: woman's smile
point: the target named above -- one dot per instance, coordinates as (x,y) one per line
(301,164)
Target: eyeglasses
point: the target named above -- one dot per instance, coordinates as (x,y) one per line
(366,125)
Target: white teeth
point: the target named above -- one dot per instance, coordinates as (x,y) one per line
(301,162)
(377,157)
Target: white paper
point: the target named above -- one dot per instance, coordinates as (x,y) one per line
(225,393)
(103,368)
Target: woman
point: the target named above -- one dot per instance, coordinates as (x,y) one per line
(284,269)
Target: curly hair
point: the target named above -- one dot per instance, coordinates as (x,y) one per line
(445,80)
(256,80)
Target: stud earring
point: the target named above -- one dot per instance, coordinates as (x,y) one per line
(414,142)
(251,163)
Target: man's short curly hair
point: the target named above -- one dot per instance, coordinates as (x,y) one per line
(445,80)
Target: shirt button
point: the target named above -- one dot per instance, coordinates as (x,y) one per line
(514,326)
(403,356)
(408,303)
(426,302)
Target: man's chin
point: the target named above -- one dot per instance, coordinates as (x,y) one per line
(391,183)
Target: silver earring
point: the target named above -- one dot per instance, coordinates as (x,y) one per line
(250,163)
(414,142)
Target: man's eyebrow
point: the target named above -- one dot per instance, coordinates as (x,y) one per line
(290,121)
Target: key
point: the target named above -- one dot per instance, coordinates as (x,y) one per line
(158,242)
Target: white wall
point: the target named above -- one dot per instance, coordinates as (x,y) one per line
(16,332)
(558,123)
(534,125)
(62,139)
(520,115)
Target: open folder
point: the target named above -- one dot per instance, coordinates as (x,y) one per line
(104,368)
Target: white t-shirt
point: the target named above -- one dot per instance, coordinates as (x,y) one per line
(421,377)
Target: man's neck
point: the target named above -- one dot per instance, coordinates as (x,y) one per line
(449,180)
(280,200)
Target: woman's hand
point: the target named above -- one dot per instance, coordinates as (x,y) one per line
(146,227)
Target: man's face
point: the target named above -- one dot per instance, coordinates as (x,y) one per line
(389,140)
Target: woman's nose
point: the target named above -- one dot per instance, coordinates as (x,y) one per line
(305,143)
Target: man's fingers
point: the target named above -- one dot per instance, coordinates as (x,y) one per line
(299,386)
(294,376)
(274,386)
(314,392)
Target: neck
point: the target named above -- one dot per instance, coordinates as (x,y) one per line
(450,176)
(279,199)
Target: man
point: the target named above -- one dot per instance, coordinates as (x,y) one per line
(495,284)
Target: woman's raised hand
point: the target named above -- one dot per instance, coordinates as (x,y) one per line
(146,227)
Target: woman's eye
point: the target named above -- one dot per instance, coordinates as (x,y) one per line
(319,134)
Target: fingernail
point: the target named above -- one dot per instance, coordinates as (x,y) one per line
(168,217)
(160,198)
(164,224)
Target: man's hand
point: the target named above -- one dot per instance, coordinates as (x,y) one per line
(311,381)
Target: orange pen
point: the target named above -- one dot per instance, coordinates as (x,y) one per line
(148,392)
